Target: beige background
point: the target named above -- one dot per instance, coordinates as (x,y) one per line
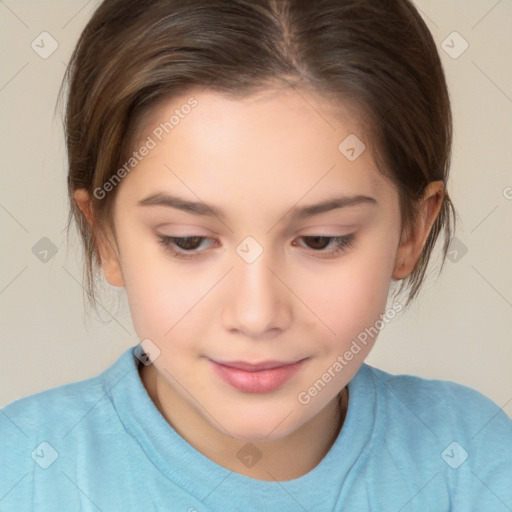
(460,328)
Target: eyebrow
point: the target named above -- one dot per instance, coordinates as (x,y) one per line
(297,213)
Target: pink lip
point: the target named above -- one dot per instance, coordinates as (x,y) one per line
(256,378)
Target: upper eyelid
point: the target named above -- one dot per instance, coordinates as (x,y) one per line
(348,236)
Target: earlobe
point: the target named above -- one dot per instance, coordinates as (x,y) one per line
(411,247)
(404,259)
(83,201)
(108,257)
(110,262)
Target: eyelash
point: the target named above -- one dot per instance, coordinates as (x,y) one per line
(342,243)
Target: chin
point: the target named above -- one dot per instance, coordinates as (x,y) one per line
(257,427)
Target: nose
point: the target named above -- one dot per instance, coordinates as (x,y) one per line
(258,304)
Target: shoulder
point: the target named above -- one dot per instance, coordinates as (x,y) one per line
(54,402)
(443,404)
(46,436)
(59,408)
(427,428)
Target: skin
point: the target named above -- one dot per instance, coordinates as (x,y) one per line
(256,159)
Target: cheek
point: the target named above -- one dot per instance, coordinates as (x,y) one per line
(351,295)
(160,293)
(161,304)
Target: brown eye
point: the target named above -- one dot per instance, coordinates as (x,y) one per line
(189,243)
(184,247)
(319,244)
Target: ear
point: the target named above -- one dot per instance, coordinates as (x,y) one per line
(410,249)
(105,248)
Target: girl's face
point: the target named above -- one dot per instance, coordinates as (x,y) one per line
(248,235)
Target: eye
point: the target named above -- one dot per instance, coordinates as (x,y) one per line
(184,247)
(188,247)
(320,243)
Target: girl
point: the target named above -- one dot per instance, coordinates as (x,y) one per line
(258,176)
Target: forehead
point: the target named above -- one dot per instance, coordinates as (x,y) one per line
(273,145)
(264,112)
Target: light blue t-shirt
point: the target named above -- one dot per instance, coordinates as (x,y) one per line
(407,444)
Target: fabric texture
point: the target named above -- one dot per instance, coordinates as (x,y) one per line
(407,444)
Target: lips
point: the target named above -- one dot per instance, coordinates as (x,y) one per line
(263,377)
(267,365)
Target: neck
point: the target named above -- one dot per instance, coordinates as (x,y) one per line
(283,459)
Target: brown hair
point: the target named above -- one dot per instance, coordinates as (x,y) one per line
(376,54)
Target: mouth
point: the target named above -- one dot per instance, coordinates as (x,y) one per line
(263,377)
